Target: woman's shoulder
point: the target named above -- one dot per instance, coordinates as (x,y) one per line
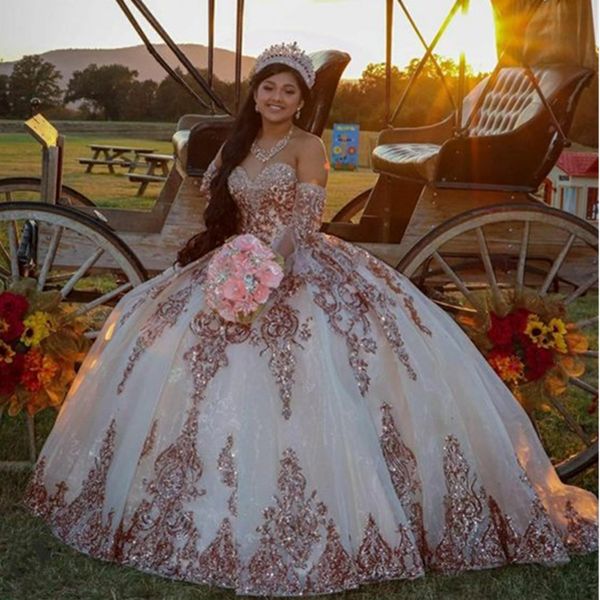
(308,141)
(311,158)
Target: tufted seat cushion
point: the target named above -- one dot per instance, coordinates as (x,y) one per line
(511,137)
(415,161)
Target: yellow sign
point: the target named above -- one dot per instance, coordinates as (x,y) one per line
(42,130)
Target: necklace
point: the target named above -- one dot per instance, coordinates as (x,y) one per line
(265,155)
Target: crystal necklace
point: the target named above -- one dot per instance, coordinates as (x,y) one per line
(265,155)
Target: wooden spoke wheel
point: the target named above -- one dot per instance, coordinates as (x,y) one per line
(14,189)
(65,250)
(352,209)
(511,248)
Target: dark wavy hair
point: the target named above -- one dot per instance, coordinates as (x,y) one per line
(221,215)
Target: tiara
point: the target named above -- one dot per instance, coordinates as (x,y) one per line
(292,56)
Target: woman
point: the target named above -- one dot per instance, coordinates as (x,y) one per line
(351,433)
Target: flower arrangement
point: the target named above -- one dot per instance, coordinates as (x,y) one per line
(240,278)
(530,343)
(41,343)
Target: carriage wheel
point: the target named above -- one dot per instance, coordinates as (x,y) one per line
(65,250)
(14,189)
(352,208)
(517,247)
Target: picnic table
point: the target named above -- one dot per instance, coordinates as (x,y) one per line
(121,156)
(153,162)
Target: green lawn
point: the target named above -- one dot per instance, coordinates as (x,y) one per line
(20,156)
(35,566)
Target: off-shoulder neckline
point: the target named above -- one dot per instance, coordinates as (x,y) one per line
(252,181)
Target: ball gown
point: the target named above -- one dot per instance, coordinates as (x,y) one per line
(351,433)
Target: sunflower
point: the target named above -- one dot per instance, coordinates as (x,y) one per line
(557,326)
(560,343)
(537,331)
(38,326)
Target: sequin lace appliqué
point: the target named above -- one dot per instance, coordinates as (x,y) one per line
(278,331)
(162,536)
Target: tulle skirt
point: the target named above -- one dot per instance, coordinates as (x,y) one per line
(351,433)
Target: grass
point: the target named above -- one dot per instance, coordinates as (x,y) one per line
(35,566)
(20,157)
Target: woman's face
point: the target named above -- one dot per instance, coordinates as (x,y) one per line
(278,97)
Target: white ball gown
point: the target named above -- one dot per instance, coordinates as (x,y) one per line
(351,433)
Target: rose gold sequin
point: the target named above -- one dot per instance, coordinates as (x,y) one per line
(79,522)
(165,316)
(335,569)
(582,534)
(226,466)
(150,440)
(162,519)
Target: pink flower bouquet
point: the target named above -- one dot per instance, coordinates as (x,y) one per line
(241,276)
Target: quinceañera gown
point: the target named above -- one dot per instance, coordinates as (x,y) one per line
(351,433)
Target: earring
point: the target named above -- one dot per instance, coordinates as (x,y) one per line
(298,113)
(256,108)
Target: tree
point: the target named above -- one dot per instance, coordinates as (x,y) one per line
(140,101)
(363,101)
(33,77)
(4,96)
(173,101)
(106,88)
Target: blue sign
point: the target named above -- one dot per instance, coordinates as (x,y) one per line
(344,146)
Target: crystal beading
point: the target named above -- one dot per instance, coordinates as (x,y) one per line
(265,156)
(292,56)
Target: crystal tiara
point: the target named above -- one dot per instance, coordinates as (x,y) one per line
(292,56)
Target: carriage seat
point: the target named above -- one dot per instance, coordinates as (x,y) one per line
(512,141)
(185,124)
(198,137)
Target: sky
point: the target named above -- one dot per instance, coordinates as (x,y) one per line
(355,26)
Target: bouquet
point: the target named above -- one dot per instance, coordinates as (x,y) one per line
(530,343)
(240,278)
(41,344)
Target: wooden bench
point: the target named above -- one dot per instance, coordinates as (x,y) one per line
(153,162)
(110,156)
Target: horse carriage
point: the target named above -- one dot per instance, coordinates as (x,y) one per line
(454,206)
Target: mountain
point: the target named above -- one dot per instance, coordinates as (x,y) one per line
(138,58)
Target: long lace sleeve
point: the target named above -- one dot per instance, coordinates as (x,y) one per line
(308,211)
(306,219)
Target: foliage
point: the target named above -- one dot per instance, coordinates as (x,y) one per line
(173,101)
(33,77)
(529,342)
(41,343)
(106,88)
(4,95)
(427,101)
(140,100)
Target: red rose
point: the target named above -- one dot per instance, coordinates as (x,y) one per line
(11,328)
(519,319)
(13,306)
(10,374)
(537,361)
(501,330)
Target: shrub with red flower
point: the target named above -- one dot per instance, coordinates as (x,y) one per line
(41,342)
(529,343)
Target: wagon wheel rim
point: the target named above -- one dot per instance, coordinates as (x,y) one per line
(430,257)
(352,208)
(11,189)
(59,227)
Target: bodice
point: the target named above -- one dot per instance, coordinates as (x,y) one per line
(266,203)
(273,201)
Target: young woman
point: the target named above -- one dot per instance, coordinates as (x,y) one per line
(351,433)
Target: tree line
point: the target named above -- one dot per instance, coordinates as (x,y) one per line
(113,92)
